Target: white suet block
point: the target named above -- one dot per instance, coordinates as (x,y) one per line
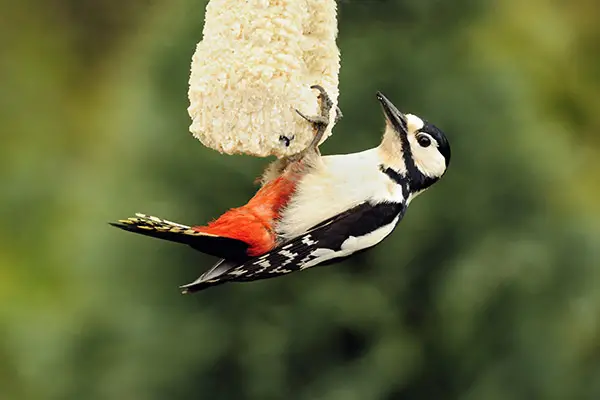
(255,66)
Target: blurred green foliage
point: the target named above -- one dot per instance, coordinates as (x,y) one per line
(489,289)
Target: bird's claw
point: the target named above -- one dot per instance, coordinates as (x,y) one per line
(326,102)
(316,120)
(338,115)
(319,122)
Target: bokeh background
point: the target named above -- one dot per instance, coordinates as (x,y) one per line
(489,289)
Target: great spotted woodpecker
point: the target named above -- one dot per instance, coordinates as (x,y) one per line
(315,210)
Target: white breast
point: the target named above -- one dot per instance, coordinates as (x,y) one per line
(338,183)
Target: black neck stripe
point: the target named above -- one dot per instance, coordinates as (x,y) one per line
(399,179)
(413,182)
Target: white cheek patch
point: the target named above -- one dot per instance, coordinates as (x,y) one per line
(428,159)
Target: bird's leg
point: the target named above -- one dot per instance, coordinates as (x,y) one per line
(319,122)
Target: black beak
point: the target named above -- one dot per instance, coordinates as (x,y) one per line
(394,117)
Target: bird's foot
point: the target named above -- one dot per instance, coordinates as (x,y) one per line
(326,104)
(319,122)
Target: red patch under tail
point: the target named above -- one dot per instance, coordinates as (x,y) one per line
(253,222)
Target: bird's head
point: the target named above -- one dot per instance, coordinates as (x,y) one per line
(413,148)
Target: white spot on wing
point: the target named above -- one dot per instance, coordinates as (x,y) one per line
(290,256)
(263,263)
(351,245)
(308,241)
(280,270)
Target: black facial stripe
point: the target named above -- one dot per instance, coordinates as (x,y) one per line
(416,180)
(407,152)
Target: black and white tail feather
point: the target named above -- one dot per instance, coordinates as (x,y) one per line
(216,246)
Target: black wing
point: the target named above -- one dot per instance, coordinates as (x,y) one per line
(321,244)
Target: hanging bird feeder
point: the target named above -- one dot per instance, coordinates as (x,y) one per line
(254,68)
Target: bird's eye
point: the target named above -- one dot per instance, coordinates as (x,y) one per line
(423,140)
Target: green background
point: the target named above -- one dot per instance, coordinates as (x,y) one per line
(489,289)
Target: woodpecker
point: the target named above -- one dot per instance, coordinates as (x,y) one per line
(315,210)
